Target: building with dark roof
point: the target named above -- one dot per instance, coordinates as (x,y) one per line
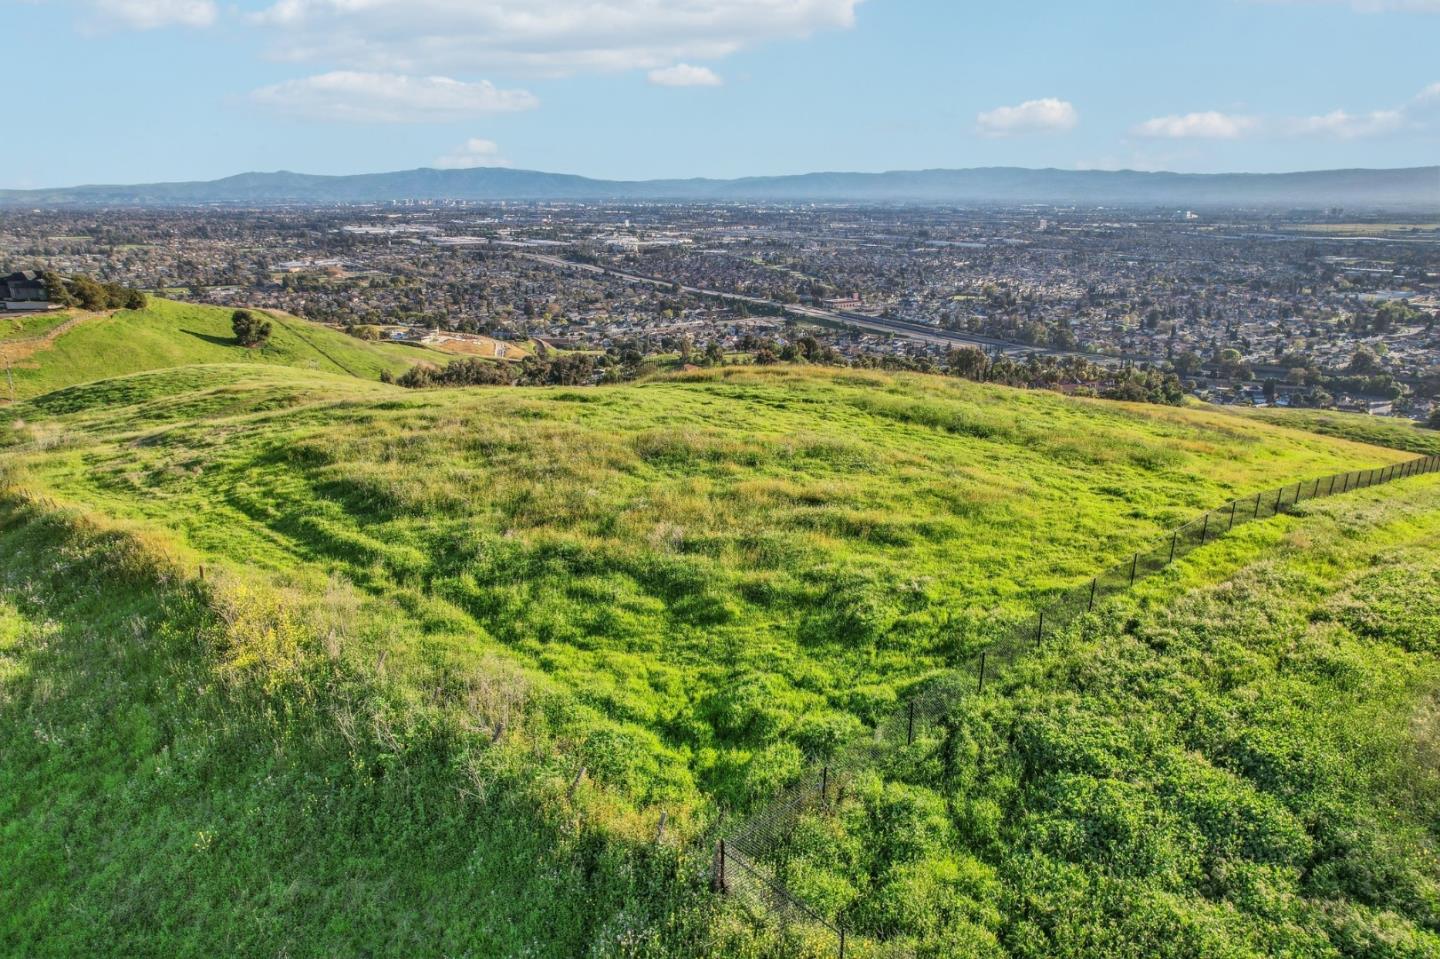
(24,290)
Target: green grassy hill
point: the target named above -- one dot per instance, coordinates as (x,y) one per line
(424,613)
(1380,430)
(167,335)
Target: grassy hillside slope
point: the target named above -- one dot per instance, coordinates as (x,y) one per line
(735,565)
(1380,430)
(424,614)
(187,770)
(25,326)
(1244,764)
(167,334)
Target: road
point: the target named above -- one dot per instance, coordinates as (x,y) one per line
(872,324)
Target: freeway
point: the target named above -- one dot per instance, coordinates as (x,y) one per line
(872,324)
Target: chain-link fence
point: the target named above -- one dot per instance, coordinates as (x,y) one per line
(750,862)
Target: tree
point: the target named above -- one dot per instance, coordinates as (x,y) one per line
(1188,363)
(1363,363)
(1434,421)
(91,295)
(250,330)
(56,289)
(967,362)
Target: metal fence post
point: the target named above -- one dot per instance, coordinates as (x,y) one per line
(980,688)
(910,735)
(1330,490)
(1278,493)
(1040,630)
(824,783)
(1174,538)
(1205,530)
(1093,584)
(1257,507)
(1134,564)
(1233,503)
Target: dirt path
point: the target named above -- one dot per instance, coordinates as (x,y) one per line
(24,347)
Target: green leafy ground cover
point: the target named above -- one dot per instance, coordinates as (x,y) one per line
(167,334)
(1248,767)
(683,586)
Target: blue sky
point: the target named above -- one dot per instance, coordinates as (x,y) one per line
(143,90)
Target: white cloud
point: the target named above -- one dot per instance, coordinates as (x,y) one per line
(553,37)
(1429,95)
(684,75)
(1345,126)
(389,98)
(472,153)
(1337,124)
(1210,125)
(1033,116)
(149,14)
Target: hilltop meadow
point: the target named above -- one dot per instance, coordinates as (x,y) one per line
(478,671)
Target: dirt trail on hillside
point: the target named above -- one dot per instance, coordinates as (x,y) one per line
(24,347)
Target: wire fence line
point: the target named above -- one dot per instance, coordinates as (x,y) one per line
(750,861)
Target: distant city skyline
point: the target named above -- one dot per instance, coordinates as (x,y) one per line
(114,91)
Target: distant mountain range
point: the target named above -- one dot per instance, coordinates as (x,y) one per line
(1414,189)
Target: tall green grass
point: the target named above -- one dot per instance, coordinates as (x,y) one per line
(424,613)
(717,563)
(191,769)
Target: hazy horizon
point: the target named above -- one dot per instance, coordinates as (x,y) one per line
(746,176)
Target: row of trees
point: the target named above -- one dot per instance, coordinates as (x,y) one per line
(570,369)
(90,294)
(1134,384)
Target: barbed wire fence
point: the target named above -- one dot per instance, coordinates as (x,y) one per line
(749,861)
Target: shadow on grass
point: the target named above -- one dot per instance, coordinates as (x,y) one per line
(209,338)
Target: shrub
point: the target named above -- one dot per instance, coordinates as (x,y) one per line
(250,330)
